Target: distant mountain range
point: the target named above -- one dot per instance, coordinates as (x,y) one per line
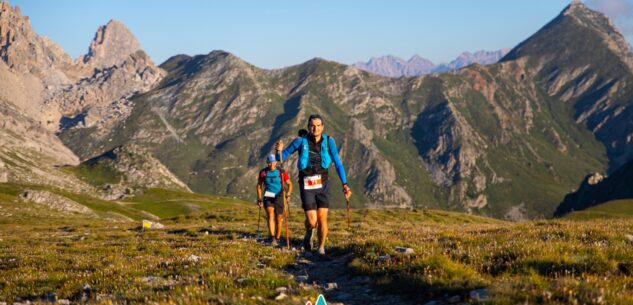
(393,66)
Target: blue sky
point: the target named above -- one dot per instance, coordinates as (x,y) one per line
(278,33)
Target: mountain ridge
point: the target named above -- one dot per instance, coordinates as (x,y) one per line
(393,66)
(506,139)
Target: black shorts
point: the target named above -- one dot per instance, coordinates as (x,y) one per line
(315,199)
(276,202)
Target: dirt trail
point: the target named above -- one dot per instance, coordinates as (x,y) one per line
(338,284)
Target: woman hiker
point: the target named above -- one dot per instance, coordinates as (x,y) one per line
(269,195)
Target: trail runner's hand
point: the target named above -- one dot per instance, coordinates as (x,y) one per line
(259,203)
(279,146)
(347,191)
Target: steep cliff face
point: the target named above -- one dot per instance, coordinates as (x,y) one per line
(95,86)
(32,65)
(103,98)
(42,90)
(27,53)
(114,69)
(30,154)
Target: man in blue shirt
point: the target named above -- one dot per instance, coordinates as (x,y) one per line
(316,152)
(269,194)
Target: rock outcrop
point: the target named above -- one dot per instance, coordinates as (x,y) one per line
(54,201)
(142,170)
(112,45)
(27,53)
(114,70)
(137,170)
(103,99)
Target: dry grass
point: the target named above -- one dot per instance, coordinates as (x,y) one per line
(54,256)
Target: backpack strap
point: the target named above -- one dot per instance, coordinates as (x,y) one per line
(327,140)
(264,171)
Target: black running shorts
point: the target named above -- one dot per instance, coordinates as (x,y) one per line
(276,202)
(315,199)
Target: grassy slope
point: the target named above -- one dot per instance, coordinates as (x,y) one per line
(549,262)
(96,174)
(34,212)
(611,209)
(159,202)
(164,203)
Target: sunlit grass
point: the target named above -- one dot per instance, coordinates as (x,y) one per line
(46,254)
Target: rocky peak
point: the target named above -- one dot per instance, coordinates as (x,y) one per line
(104,97)
(571,30)
(104,80)
(421,60)
(600,22)
(394,66)
(579,9)
(23,50)
(112,44)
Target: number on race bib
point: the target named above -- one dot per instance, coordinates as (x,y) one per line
(312,182)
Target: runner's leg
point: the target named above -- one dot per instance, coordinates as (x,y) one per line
(270,213)
(311,219)
(278,224)
(323,229)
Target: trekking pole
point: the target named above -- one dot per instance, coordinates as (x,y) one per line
(348,217)
(259,218)
(288,216)
(283,189)
(282,184)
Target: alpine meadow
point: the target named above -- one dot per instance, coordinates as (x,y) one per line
(502,177)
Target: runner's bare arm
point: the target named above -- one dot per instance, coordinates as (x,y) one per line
(340,170)
(289,184)
(260,182)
